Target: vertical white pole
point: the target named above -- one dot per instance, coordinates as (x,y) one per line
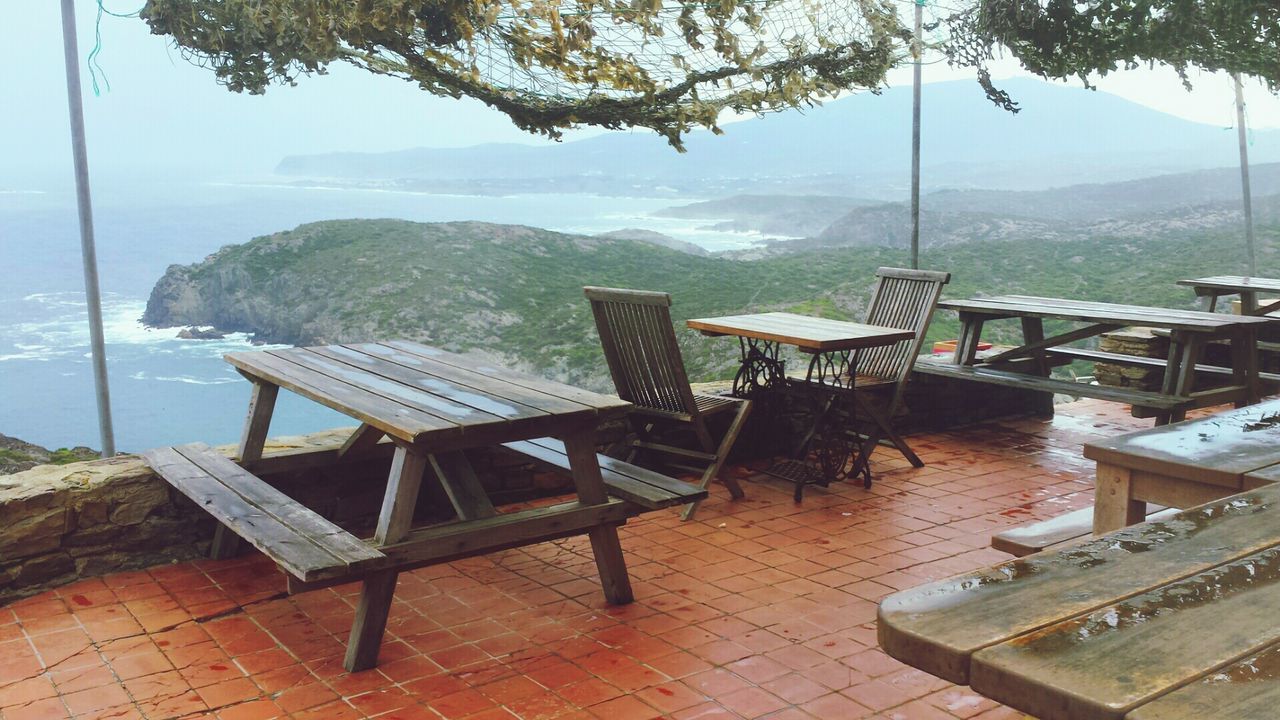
(92,295)
(915,141)
(1244,175)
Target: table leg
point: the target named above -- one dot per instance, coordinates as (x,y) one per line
(612,566)
(970,333)
(1113,503)
(371,621)
(253,438)
(261,404)
(1244,365)
(1032,333)
(1248,303)
(378,589)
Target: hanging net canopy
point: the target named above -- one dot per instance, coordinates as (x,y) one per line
(666,65)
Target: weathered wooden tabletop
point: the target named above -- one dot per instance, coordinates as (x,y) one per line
(421,394)
(1169,619)
(1099,312)
(1235,284)
(810,334)
(1218,450)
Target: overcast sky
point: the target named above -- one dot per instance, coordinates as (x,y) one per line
(163,114)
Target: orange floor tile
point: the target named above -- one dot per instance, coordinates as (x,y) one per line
(760,608)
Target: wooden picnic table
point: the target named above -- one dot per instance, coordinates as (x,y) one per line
(434,405)
(1184,464)
(1248,288)
(1174,619)
(833,345)
(1028,364)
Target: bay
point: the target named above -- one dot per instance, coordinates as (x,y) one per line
(165,390)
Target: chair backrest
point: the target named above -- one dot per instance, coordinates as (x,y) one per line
(640,346)
(903,299)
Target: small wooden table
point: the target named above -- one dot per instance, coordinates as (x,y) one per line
(434,405)
(1248,288)
(1184,464)
(1189,330)
(1173,620)
(833,346)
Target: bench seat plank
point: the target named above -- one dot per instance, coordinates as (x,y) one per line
(300,541)
(1141,398)
(1076,525)
(1100,664)
(937,627)
(632,483)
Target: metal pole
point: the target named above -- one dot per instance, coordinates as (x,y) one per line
(915,142)
(92,296)
(1244,175)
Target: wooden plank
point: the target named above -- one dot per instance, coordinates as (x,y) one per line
(401,498)
(1034,537)
(488,395)
(395,419)
(624,480)
(1041,343)
(1235,283)
(938,626)
(452,541)
(317,529)
(1175,492)
(262,403)
(809,333)
(1218,449)
(1032,382)
(603,404)
(298,555)
(370,621)
(1114,505)
(447,409)
(487,383)
(365,438)
(637,297)
(1246,690)
(1118,657)
(462,486)
(1080,311)
(1122,359)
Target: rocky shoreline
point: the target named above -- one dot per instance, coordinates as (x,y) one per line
(18,455)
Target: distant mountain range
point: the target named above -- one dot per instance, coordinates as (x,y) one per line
(1138,209)
(857,146)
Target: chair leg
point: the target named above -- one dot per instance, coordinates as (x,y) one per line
(722,452)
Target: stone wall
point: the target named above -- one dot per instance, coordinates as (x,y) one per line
(59,523)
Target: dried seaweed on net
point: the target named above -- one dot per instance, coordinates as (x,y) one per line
(667,66)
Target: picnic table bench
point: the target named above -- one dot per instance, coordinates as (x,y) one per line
(1028,365)
(434,406)
(1168,619)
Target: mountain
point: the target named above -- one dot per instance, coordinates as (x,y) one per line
(856,146)
(515,293)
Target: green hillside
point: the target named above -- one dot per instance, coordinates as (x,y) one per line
(515,292)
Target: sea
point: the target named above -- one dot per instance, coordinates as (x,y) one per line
(165,390)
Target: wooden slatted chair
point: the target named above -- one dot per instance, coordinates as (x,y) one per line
(903,299)
(648,371)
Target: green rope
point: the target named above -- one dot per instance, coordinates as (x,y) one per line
(95,68)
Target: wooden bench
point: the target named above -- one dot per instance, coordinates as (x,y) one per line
(1122,359)
(1057,532)
(1149,402)
(646,489)
(301,542)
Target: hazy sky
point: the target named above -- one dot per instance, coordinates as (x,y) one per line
(164,115)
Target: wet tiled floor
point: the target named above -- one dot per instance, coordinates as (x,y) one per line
(759,608)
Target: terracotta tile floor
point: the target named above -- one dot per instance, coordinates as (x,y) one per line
(760,608)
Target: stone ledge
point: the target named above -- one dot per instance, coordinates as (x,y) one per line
(59,523)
